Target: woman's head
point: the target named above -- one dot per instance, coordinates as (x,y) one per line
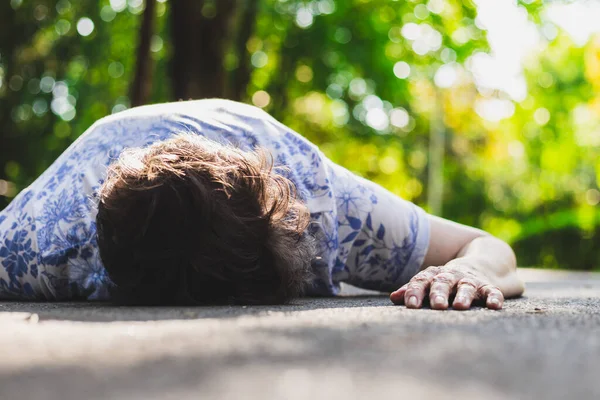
(190,221)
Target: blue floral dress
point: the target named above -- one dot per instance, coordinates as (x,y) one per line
(367,236)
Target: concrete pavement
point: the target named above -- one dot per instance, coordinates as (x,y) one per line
(545,345)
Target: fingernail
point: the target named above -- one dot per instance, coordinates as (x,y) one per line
(412,301)
(461,299)
(495,302)
(439,300)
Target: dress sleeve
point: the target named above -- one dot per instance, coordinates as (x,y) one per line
(382,238)
(365,235)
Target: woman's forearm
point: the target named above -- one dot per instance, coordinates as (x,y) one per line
(494,258)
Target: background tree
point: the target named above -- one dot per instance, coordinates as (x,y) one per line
(357,77)
(141,86)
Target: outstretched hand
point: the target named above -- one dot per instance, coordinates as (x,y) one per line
(460,282)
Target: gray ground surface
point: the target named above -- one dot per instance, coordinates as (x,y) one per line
(545,345)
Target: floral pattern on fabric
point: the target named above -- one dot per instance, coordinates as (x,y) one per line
(366,236)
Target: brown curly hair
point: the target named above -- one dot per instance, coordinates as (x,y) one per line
(191,221)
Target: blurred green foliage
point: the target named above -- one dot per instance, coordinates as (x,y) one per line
(356,77)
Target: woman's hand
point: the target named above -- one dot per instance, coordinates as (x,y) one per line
(459,281)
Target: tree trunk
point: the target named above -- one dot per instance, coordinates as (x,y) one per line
(288,59)
(199,43)
(241,75)
(437,150)
(141,87)
(14,32)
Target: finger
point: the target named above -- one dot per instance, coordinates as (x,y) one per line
(494,299)
(397,297)
(441,288)
(466,292)
(418,286)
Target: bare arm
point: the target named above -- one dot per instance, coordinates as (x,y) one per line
(465,262)
(453,243)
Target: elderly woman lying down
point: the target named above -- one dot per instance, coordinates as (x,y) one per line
(212,201)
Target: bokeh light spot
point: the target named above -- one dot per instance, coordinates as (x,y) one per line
(494,110)
(377,119)
(261,99)
(156,44)
(85,26)
(118,108)
(209,10)
(15,83)
(399,117)
(7,189)
(401,70)
(40,107)
(259,59)
(33,86)
(326,6)
(358,87)
(62,27)
(304,18)
(436,6)
(63,6)
(136,6)
(342,35)
(40,12)
(545,80)
(47,84)
(304,73)
(334,91)
(107,14)
(541,116)
(388,165)
(116,69)
(421,11)
(60,89)
(118,5)
(592,197)
(445,76)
